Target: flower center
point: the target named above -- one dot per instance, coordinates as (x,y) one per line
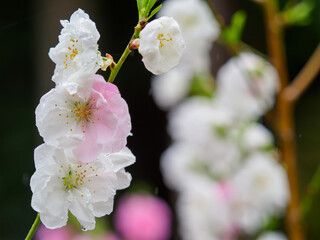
(79,110)
(76,178)
(164,39)
(72,52)
(82,111)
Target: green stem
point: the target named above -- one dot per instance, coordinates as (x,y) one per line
(312,190)
(116,69)
(124,55)
(33,228)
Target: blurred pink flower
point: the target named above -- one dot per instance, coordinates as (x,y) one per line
(143,217)
(44,233)
(107,236)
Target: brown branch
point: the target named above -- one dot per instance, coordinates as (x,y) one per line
(284,116)
(306,76)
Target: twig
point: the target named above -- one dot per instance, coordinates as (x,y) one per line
(306,76)
(285,118)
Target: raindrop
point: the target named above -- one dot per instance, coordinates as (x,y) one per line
(84,229)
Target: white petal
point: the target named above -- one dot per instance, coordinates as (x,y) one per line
(82,211)
(122,159)
(42,156)
(51,203)
(53,122)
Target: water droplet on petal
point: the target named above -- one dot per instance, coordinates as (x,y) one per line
(84,229)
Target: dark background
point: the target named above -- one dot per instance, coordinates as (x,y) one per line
(29,28)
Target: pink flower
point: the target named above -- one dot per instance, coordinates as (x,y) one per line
(44,233)
(143,217)
(89,122)
(112,125)
(107,236)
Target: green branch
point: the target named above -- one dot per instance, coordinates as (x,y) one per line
(125,54)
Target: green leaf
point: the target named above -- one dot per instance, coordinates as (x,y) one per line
(233,33)
(299,14)
(150,6)
(142,7)
(154,11)
(139,5)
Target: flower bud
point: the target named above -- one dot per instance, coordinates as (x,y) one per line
(107,61)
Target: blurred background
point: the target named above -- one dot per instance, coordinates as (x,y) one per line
(29,28)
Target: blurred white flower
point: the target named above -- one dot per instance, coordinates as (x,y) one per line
(180,165)
(272,236)
(161,45)
(77,48)
(198,120)
(247,84)
(183,163)
(261,190)
(60,185)
(171,87)
(203,213)
(256,137)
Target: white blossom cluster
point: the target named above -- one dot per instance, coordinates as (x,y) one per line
(222,161)
(84,123)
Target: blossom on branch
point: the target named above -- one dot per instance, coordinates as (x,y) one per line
(77,48)
(88,125)
(161,45)
(60,184)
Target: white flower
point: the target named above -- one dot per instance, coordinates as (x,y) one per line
(203,212)
(247,84)
(60,185)
(272,236)
(199,29)
(171,87)
(261,190)
(77,49)
(161,45)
